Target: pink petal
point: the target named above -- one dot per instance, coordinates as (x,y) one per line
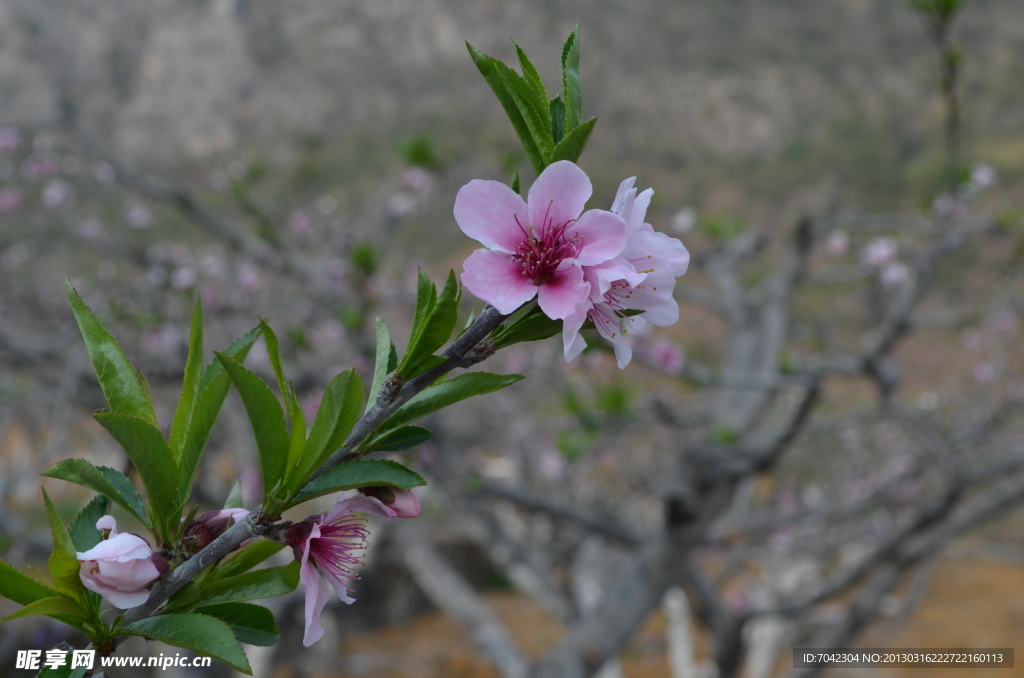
(603,275)
(317,596)
(622,195)
(406,504)
(635,222)
(559,194)
(486,211)
(107,523)
(572,341)
(603,236)
(498,280)
(339,586)
(121,547)
(130,576)
(654,243)
(358,502)
(559,297)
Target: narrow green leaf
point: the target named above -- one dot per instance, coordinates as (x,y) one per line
(572,95)
(197,632)
(120,383)
(234,499)
(515,182)
(248,558)
(252,624)
(63,565)
(533,327)
(387,361)
(400,439)
(439,326)
(426,299)
(109,482)
(57,607)
(187,595)
(265,583)
(488,67)
(297,443)
(266,417)
(238,349)
(148,450)
(339,411)
(183,414)
(84,534)
(535,111)
(447,393)
(17,586)
(215,387)
(427,364)
(571,147)
(530,74)
(557,119)
(360,473)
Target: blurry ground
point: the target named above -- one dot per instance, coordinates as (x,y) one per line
(971,602)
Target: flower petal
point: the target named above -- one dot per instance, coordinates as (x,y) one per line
(317,596)
(622,195)
(498,280)
(603,236)
(486,211)
(559,194)
(121,547)
(572,341)
(603,275)
(560,296)
(654,243)
(360,503)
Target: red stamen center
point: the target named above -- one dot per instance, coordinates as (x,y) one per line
(545,248)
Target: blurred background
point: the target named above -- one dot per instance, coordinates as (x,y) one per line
(828,441)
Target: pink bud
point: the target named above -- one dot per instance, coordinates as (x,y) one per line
(404,503)
(120,567)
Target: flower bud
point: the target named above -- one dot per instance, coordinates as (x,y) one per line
(209,525)
(404,503)
(120,567)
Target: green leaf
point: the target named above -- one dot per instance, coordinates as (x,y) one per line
(62,671)
(557,120)
(489,68)
(571,147)
(109,482)
(530,74)
(238,349)
(148,450)
(183,414)
(214,390)
(534,109)
(339,411)
(447,393)
(57,607)
(234,499)
(515,182)
(17,586)
(125,392)
(252,624)
(360,473)
(400,439)
(387,361)
(266,417)
(186,596)
(62,564)
(572,95)
(84,534)
(429,363)
(532,327)
(265,583)
(197,632)
(297,438)
(248,558)
(432,327)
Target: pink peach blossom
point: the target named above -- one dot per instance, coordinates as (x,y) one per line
(538,248)
(120,567)
(331,545)
(641,278)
